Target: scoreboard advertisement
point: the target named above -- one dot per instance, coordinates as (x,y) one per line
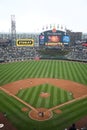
(41,39)
(66,39)
(53,38)
(25,42)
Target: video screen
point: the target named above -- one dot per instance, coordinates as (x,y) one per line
(66,39)
(53,39)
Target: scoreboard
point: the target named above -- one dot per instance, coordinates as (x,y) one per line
(51,38)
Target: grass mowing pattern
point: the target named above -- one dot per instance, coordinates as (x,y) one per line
(32,96)
(46,69)
(70,112)
(43,69)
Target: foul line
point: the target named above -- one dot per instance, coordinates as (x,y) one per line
(53,108)
(28,105)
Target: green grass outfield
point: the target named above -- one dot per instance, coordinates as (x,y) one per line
(42,69)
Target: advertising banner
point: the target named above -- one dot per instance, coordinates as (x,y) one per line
(25,42)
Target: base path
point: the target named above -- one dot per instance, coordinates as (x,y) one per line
(77,89)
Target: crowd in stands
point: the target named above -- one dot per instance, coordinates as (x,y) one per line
(78,53)
(74,127)
(15,53)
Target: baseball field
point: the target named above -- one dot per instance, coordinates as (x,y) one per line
(56,88)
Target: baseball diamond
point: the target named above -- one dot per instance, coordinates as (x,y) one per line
(44,94)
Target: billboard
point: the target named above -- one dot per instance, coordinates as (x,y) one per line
(25,42)
(41,39)
(53,44)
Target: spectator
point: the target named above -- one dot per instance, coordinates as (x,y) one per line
(73,127)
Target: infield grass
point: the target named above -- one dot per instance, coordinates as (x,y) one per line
(32,96)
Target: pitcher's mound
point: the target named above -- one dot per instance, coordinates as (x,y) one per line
(41,114)
(44,95)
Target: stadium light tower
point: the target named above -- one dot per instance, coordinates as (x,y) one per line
(13,29)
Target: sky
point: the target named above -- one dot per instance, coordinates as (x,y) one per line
(33,15)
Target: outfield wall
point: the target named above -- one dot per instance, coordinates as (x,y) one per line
(62,58)
(47,58)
